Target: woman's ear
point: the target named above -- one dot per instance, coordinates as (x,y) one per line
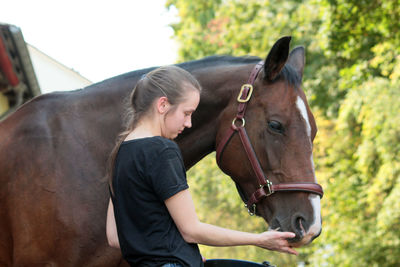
(162,105)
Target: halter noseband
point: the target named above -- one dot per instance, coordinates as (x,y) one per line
(266,187)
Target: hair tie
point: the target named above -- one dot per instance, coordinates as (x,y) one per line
(153,82)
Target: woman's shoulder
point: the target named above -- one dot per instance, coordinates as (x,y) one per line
(167,147)
(154,143)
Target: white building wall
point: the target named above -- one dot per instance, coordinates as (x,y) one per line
(54,76)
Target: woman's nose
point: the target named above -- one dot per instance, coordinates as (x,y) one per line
(188,122)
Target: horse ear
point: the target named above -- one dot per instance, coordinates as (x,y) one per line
(297,59)
(276,58)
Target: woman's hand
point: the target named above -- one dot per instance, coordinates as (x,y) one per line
(277,241)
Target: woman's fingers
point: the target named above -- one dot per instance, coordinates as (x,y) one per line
(203,258)
(290,251)
(286,245)
(286,235)
(278,241)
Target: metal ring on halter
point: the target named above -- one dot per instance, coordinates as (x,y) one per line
(251,210)
(268,185)
(234,122)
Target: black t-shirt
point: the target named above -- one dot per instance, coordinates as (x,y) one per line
(148,171)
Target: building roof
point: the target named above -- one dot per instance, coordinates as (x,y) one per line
(18,81)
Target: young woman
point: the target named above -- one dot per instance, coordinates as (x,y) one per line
(151,206)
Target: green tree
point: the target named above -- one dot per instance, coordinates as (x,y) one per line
(362,225)
(362,215)
(363,40)
(357,27)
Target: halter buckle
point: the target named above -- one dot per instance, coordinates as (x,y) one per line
(268,185)
(251,210)
(244,86)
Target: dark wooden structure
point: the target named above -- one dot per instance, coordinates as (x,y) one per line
(18,81)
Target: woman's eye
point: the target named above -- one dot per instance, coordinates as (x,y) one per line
(276,126)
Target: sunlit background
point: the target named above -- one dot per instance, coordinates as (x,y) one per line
(98,39)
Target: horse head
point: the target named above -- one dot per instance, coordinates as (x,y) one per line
(280,130)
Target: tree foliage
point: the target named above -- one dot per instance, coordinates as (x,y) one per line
(352,81)
(361,175)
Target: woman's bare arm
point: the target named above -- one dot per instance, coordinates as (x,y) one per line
(111,227)
(182,210)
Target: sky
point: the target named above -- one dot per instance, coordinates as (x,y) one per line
(99,39)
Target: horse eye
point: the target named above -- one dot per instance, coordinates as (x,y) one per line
(276,126)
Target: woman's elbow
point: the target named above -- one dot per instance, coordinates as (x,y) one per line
(111,227)
(112,241)
(192,234)
(112,237)
(188,237)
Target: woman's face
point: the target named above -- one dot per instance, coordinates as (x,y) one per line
(180,118)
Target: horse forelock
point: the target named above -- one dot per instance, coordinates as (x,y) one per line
(290,75)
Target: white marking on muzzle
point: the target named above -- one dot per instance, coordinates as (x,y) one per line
(315,228)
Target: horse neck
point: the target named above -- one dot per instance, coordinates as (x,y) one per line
(220,85)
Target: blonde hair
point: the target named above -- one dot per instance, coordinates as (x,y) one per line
(169,81)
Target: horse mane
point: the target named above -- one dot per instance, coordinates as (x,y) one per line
(213,61)
(288,73)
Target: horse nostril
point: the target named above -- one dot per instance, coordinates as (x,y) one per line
(298,225)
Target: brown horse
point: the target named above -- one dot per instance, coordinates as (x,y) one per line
(54,149)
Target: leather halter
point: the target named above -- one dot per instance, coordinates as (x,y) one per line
(266,187)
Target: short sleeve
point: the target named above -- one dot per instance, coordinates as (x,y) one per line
(168,175)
